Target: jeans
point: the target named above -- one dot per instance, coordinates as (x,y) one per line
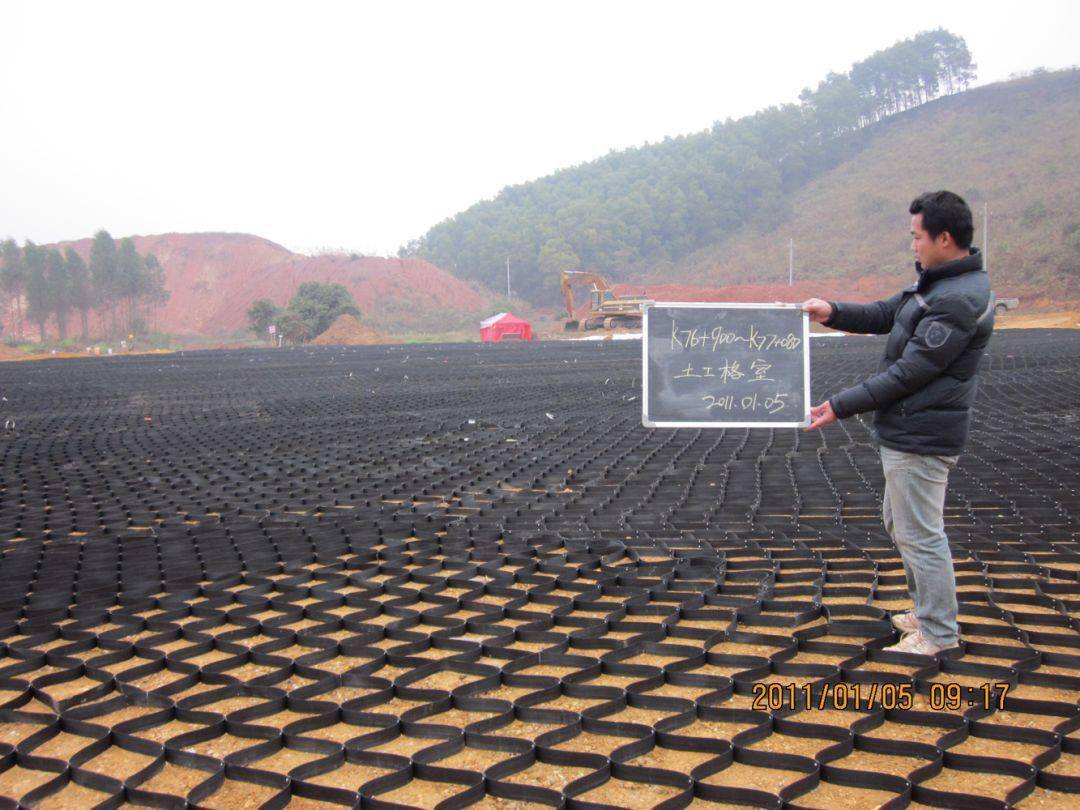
(913,512)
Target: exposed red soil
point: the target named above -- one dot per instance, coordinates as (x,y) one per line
(213,278)
(347,330)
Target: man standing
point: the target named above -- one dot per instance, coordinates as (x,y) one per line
(922,396)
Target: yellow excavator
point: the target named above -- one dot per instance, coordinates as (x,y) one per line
(606,309)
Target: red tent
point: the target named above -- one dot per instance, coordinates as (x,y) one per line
(505,326)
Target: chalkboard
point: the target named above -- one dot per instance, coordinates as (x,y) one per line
(725,365)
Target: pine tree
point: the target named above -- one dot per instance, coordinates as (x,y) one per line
(103,272)
(13,280)
(81,294)
(37,286)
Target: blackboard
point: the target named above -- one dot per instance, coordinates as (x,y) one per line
(725,365)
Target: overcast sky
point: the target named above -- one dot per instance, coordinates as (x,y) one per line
(359,125)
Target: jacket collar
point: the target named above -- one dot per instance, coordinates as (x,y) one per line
(967,264)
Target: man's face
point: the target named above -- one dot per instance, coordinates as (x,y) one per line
(929,252)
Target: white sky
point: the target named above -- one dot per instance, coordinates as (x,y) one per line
(358,125)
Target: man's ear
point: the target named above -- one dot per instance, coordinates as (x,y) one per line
(945,240)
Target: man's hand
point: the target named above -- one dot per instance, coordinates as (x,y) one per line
(820,311)
(821,415)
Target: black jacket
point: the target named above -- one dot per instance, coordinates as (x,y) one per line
(925,386)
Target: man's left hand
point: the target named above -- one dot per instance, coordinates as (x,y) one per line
(821,415)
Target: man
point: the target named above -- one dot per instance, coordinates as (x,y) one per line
(922,396)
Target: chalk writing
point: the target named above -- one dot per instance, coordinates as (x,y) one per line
(711,339)
(725,364)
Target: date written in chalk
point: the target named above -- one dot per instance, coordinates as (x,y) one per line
(771,697)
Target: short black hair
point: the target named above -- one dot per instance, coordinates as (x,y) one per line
(944,211)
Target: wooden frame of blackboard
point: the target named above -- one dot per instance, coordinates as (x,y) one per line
(720,305)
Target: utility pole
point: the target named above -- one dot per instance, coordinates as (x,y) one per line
(986,239)
(791,262)
(507,278)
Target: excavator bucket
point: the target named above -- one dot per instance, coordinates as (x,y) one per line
(571,326)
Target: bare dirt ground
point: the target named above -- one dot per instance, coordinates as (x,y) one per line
(1063,319)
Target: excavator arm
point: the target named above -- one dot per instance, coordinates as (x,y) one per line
(567,280)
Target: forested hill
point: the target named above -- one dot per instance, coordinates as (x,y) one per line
(668,209)
(1012,147)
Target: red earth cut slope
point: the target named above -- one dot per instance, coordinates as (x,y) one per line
(213,278)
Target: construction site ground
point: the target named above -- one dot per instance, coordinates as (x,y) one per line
(466,575)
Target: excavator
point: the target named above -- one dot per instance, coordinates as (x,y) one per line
(606,309)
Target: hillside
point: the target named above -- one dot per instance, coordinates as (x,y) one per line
(718,207)
(213,278)
(1013,146)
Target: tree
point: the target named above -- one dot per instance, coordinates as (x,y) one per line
(316,306)
(556,256)
(128,279)
(261,315)
(152,288)
(37,286)
(58,290)
(103,273)
(81,294)
(13,279)
(630,211)
(292,327)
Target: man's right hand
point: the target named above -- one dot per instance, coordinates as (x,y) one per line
(820,311)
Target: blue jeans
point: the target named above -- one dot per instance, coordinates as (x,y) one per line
(913,512)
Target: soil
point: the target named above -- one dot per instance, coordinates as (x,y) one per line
(1067,765)
(828,796)
(790,744)
(404,745)
(890,730)
(588,743)
(213,278)
(740,775)
(422,793)
(541,774)
(222,746)
(461,718)
(15,733)
(567,703)
(63,746)
(236,795)
(228,705)
(1019,319)
(17,781)
(676,691)
(350,775)
(624,793)
(1043,799)
(175,779)
(523,730)
(987,747)
(166,731)
(118,762)
(490,802)
(712,729)
(285,759)
(636,714)
(671,759)
(859,760)
(1046,722)
(471,758)
(347,330)
(992,785)
(72,795)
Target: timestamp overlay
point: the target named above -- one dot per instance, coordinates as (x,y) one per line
(843,696)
